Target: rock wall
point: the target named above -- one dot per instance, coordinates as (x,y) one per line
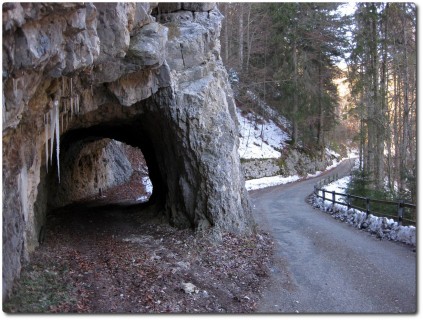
(292,162)
(259,168)
(146,74)
(298,162)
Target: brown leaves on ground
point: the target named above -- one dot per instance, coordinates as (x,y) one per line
(112,261)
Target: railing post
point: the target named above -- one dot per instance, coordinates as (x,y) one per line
(323,191)
(367,206)
(348,201)
(333,197)
(400,211)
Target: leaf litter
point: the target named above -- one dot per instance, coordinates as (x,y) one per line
(115,260)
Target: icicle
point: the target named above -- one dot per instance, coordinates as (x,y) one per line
(15,87)
(23,190)
(71,106)
(56,125)
(63,86)
(4,108)
(71,91)
(46,133)
(77,104)
(52,117)
(61,120)
(66,113)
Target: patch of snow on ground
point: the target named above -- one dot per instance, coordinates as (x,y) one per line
(332,153)
(265,182)
(148,189)
(382,227)
(338,186)
(259,141)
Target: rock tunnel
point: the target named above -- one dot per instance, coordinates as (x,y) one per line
(79,141)
(146,74)
(145,132)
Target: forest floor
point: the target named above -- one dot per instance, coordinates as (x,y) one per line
(117,259)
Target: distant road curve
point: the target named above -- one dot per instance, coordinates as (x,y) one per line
(326,266)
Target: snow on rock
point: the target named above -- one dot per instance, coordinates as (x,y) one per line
(382,227)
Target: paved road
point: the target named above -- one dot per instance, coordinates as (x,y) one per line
(326,266)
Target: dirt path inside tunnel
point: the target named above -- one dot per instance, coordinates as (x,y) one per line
(114,259)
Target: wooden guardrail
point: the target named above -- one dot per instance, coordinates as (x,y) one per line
(403,212)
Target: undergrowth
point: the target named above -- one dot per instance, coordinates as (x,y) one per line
(41,289)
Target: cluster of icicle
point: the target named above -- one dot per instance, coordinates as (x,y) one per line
(62,111)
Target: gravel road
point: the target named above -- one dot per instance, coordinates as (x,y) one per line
(326,266)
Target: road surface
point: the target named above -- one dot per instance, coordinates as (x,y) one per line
(327,266)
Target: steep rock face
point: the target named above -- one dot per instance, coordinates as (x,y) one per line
(147,75)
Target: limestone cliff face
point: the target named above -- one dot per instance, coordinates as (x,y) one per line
(146,74)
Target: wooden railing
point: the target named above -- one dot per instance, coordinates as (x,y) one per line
(404,213)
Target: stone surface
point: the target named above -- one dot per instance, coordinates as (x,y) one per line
(259,168)
(112,74)
(147,46)
(299,162)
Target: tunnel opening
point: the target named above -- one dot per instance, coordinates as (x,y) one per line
(132,140)
(119,155)
(132,185)
(107,171)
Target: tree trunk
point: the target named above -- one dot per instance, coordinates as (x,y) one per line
(295,105)
(249,40)
(225,32)
(405,119)
(241,36)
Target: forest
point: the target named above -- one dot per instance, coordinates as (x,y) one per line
(344,75)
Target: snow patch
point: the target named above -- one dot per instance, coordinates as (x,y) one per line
(259,140)
(382,227)
(265,182)
(148,189)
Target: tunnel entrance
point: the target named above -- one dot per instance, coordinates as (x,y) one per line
(136,187)
(105,170)
(101,161)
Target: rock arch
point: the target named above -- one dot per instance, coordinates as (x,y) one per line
(111,70)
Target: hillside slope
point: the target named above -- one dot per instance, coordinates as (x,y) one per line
(266,154)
